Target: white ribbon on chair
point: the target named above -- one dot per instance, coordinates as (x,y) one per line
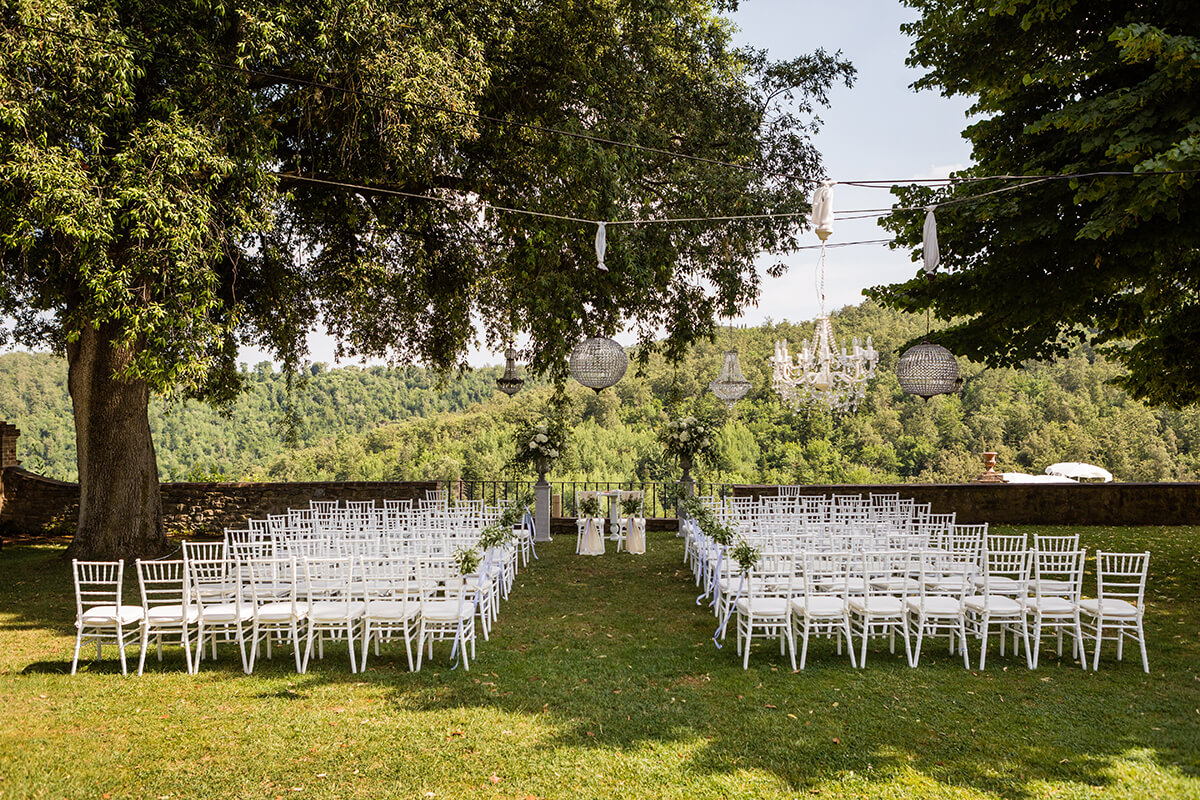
(484,569)
(530,526)
(720,634)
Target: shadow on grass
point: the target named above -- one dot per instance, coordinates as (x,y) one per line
(612,655)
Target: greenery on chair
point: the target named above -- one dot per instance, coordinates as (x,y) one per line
(589,506)
(467,559)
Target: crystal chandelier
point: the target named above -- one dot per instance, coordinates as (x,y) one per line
(820,374)
(510,383)
(731,385)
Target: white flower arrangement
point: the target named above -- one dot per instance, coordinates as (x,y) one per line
(541,444)
(686,437)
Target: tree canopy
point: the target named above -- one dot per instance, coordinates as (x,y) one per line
(1067,88)
(178,179)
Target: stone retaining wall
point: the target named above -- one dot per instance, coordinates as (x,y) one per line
(33,503)
(1038,504)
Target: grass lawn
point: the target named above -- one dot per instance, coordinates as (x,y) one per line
(601,680)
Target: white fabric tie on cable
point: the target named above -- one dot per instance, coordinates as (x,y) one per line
(822,210)
(601,246)
(930,246)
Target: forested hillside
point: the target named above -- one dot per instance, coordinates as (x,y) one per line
(381,424)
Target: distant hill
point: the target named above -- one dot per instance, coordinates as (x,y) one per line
(383,424)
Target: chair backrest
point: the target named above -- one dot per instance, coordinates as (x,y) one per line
(331,578)
(204,550)
(1010,543)
(1063,567)
(97,583)
(1007,563)
(1056,543)
(1122,576)
(941,577)
(272,580)
(882,499)
(213,581)
(828,574)
(883,569)
(772,576)
(163,583)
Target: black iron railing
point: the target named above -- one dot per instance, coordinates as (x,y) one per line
(656,496)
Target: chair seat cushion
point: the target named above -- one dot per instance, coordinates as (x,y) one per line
(895,584)
(876,606)
(225,612)
(1050,606)
(108,615)
(280,612)
(334,610)
(1110,607)
(935,606)
(996,604)
(446,610)
(393,610)
(819,606)
(999,584)
(1052,586)
(165,615)
(763,606)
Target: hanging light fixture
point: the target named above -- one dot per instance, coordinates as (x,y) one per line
(928,369)
(821,375)
(731,385)
(509,382)
(598,363)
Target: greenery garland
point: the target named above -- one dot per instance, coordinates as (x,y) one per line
(745,555)
(467,559)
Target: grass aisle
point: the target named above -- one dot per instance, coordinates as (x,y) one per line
(601,681)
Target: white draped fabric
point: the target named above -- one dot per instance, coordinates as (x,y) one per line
(635,540)
(593,538)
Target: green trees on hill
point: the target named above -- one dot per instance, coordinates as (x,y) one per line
(381,424)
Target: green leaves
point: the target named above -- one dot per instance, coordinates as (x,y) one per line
(1063,88)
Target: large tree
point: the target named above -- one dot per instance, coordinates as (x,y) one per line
(173,182)
(1066,88)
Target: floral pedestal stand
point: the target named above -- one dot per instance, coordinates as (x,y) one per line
(541,505)
(687,487)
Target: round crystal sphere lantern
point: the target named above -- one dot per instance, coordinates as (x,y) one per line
(928,369)
(598,363)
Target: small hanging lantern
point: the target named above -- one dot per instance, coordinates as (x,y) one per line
(598,363)
(510,383)
(928,369)
(731,385)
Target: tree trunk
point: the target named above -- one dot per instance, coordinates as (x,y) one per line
(120,509)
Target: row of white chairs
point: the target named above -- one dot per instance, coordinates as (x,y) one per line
(267,583)
(259,603)
(958,586)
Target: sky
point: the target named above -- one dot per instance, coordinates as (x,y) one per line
(879,129)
